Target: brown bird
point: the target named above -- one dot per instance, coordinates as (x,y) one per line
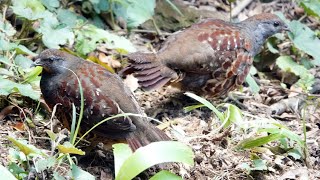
(211,57)
(104,93)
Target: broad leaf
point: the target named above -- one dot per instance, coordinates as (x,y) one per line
(152,154)
(303,38)
(6,174)
(163,175)
(135,12)
(8,87)
(80,174)
(89,37)
(67,147)
(312,7)
(26,148)
(288,65)
(121,153)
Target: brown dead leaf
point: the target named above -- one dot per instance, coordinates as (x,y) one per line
(295,91)
(299,174)
(5,111)
(19,126)
(109,60)
(97,60)
(131,82)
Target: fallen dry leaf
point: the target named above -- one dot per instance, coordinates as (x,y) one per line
(19,126)
(131,82)
(109,60)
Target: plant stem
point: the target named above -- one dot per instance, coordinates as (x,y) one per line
(156,26)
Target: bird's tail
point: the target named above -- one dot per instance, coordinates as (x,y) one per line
(145,134)
(149,71)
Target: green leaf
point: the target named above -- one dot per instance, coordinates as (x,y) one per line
(304,38)
(67,147)
(16,155)
(26,148)
(271,48)
(207,104)
(16,170)
(6,27)
(80,174)
(190,108)
(43,164)
(29,9)
(233,115)
(6,174)
(21,49)
(259,165)
(254,87)
(67,17)
(89,36)
(287,64)
(258,141)
(135,12)
(100,5)
(51,4)
(164,174)
(53,136)
(152,154)
(23,62)
(296,154)
(312,7)
(5,45)
(9,87)
(121,153)
(33,75)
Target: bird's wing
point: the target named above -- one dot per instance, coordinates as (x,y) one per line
(203,46)
(99,103)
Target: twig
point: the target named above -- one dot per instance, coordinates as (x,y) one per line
(150,31)
(240,7)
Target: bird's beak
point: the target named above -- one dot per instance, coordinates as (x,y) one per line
(36,63)
(286,28)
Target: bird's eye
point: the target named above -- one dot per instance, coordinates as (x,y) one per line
(276,23)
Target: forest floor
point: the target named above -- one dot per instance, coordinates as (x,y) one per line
(216,156)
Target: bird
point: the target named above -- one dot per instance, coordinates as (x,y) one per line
(211,58)
(104,95)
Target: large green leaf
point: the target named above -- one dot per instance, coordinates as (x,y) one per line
(121,153)
(311,7)
(29,9)
(24,147)
(287,64)
(6,174)
(80,174)
(89,36)
(207,104)
(53,33)
(152,154)
(8,87)
(6,27)
(258,141)
(135,12)
(303,38)
(164,175)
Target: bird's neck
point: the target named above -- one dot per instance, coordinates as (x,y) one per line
(254,34)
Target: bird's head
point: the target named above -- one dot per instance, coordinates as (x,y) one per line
(53,61)
(265,24)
